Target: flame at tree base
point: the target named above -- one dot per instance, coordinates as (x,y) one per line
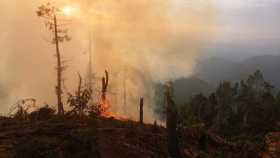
(107,113)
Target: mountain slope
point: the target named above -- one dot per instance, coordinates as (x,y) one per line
(215,70)
(187,87)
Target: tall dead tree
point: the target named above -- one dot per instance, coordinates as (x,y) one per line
(125,90)
(79,95)
(171,123)
(141,110)
(50,15)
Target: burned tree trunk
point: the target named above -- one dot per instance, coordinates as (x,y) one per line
(105,81)
(104,104)
(141,111)
(49,13)
(171,124)
(79,96)
(59,70)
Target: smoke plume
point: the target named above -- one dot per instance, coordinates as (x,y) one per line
(138,42)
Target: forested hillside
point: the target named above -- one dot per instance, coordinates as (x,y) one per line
(214,70)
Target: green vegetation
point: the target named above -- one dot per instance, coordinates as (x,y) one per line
(246,110)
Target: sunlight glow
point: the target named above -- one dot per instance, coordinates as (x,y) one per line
(67,10)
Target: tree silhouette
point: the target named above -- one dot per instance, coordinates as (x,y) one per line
(171,123)
(50,15)
(246,108)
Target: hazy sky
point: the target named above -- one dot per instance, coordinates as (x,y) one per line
(245,3)
(249,27)
(245,27)
(251,19)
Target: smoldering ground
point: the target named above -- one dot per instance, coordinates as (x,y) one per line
(138,42)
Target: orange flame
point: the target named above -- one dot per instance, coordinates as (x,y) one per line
(107,113)
(105,108)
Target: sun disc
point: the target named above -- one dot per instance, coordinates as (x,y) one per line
(67,10)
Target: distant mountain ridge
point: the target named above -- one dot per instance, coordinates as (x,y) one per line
(210,72)
(184,88)
(214,70)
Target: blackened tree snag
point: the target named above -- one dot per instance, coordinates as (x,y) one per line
(80,103)
(59,70)
(141,110)
(171,123)
(105,81)
(104,104)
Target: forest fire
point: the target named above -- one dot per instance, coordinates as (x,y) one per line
(104,103)
(107,113)
(105,108)
(139,79)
